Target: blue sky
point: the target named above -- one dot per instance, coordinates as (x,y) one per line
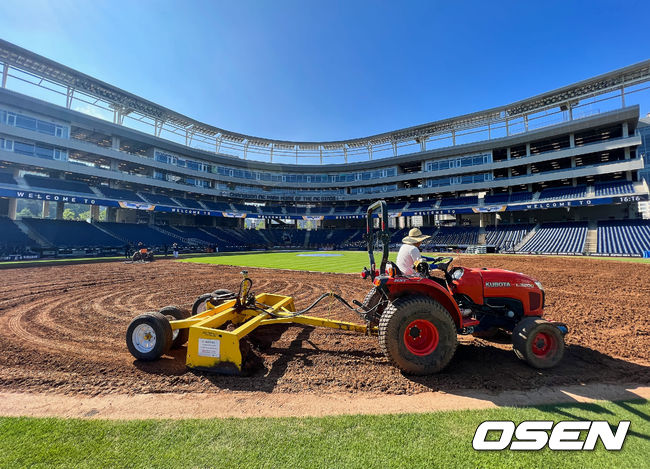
(315,70)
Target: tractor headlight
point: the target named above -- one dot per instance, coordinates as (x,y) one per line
(457,273)
(539,285)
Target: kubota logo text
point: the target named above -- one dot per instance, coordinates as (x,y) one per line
(534,435)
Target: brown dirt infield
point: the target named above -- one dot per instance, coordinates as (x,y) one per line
(62,329)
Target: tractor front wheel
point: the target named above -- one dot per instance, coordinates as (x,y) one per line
(174,313)
(418,335)
(538,342)
(149,336)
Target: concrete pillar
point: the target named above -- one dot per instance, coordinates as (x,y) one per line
(509,172)
(11,210)
(529,169)
(573,161)
(572,140)
(45,210)
(115,143)
(60,206)
(508,155)
(111,214)
(528,149)
(481,220)
(627,153)
(626,132)
(94,213)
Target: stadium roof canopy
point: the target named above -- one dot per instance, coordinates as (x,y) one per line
(123,104)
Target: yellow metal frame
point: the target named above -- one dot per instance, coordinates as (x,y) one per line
(212,348)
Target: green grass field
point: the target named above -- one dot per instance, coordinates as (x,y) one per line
(342,262)
(442,439)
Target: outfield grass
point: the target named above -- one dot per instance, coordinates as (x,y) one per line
(442,439)
(343,262)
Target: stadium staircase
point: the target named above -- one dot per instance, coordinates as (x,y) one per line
(591,242)
(526,238)
(33,235)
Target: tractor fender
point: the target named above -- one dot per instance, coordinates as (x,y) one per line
(426,287)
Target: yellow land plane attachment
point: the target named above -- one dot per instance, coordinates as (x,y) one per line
(214,349)
(219,321)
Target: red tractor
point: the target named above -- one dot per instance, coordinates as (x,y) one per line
(419,317)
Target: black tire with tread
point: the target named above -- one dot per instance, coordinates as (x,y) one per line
(522,338)
(175,313)
(163,330)
(398,315)
(373,297)
(136,256)
(199,301)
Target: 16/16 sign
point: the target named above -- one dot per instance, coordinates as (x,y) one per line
(533,435)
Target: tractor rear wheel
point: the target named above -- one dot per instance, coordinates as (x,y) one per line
(149,336)
(174,313)
(538,342)
(136,256)
(418,335)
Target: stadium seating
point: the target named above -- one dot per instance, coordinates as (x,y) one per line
(506,237)
(396,207)
(454,236)
(12,238)
(217,206)
(38,182)
(459,201)
(158,199)
(63,233)
(7,178)
(623,237)
(422,205)
(554,238)
(138,233)
(189,203)
(496,199)
(563,193)
(614,188)
(523,196)
(120,194)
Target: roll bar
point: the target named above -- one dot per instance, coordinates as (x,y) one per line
(383,235)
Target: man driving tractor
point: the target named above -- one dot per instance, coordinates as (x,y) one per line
(409,252)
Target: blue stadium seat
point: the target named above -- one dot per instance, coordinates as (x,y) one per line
(158,199)
(62,185)
(630,237)
(557,238)
(12,238)
(568,192)
(614,188)
(460,201)
(64,233)
(120,194)
(506,237)
(7,178)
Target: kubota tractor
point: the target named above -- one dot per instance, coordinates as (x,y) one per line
(419,316)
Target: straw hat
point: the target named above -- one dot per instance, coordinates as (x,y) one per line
(415,236)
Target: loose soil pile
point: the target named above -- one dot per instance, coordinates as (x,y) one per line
(62,329)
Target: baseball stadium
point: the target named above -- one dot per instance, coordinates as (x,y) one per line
(114,207)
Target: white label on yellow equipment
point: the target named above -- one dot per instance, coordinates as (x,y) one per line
(209,348)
